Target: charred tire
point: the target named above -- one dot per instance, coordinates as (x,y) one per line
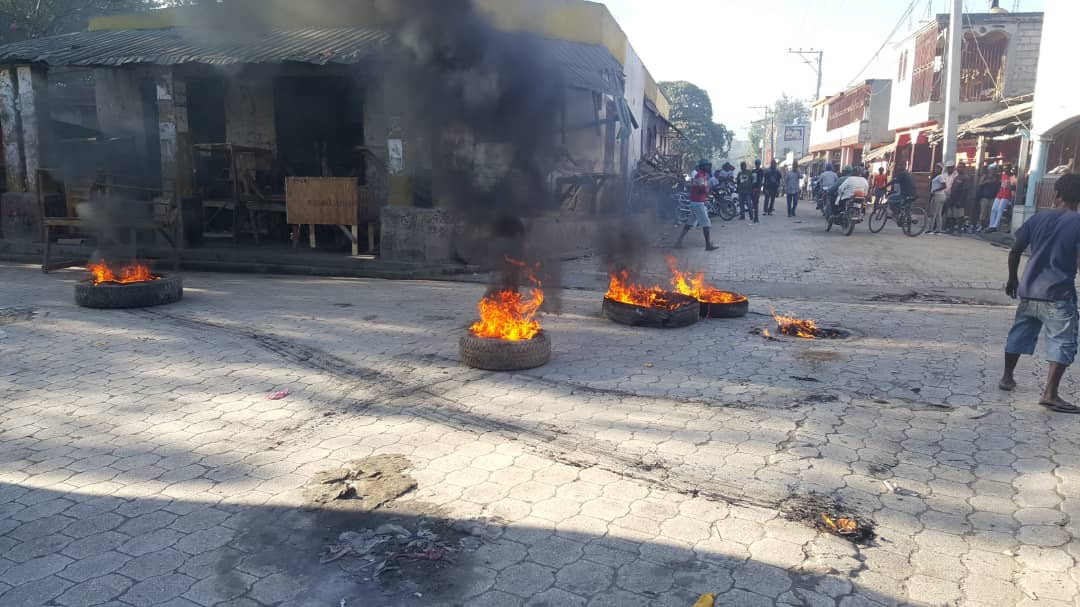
(686,314)
(501,355)
(165,290)
(725,310)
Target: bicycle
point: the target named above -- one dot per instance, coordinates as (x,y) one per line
(909,218)
(682,209)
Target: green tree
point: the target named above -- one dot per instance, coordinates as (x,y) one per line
(692,113)
(787,111)
(23,19)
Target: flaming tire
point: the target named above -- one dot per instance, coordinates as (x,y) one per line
(165,290)
(504,355)
(736,309)
(685,314)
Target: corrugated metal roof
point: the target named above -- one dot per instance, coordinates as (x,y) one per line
(588,66)
(1012,119)
(178,45)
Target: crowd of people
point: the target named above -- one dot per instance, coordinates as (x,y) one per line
(951,208)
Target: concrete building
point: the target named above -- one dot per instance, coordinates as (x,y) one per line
(847,125)
(306,93)
(1055,128)
(999,59)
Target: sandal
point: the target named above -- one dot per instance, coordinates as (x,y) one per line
(1061,408)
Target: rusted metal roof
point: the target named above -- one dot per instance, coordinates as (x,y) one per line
(587,66)
(174,46)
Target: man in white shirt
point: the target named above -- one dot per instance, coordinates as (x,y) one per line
(852,183)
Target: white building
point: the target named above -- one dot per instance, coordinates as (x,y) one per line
(999,59)
(846,125)
(1055,126)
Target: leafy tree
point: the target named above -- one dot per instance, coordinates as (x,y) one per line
(692,113)
(23,19)
(788,111)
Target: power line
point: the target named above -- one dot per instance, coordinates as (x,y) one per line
(910,8)
(998,85)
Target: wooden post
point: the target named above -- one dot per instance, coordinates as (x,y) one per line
(167,132)
(31,102)
(9,123)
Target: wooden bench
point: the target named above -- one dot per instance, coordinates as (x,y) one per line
(165,222)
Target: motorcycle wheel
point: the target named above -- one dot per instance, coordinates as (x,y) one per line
(878,218)
(728,211)
(849,223)
(828,221)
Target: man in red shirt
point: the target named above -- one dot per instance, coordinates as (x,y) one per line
(879,183)
(699,195)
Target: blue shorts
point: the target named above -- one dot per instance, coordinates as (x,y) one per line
(1057,320)
(699,215)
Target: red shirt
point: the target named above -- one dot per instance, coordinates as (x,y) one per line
(880,181)
(1005,192)
(699,187)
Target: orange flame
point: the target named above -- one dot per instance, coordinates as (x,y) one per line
(796,327)
(623,290)
(133,272)
(695,286)
(765,333)
(842,525)
(507,314)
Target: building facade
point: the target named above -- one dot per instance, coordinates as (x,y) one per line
(999,59)
(307,95)
(851,123)
(1055,126)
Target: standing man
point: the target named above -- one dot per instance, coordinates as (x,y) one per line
(958,197)
(743,183)
(880,181)
(792,187)
(758,181)
(1002,202)
(699,195)
(987,192)
(938,195)
(772,187)
(1047,293)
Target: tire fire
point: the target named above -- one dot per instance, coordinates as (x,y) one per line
(132,272)
(506,313)
(695,286)
(623,290)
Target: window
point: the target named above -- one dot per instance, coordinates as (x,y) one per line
(849,107)
(902,69)
(926,68)
(982,66)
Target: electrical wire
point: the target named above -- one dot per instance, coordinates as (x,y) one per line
(998,85)
(896,28)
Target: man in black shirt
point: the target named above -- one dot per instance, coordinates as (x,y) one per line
(772,180)
(757,180)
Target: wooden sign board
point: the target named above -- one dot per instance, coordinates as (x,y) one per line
(321,201)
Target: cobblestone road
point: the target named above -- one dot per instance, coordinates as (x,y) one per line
(142,464)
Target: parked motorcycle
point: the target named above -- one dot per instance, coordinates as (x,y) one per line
(723,201)
(846,214)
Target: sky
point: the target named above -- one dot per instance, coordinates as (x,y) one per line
(737,50)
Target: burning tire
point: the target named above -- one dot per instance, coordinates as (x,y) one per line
(735,309)
(504,355)
(163,290)
(683,312)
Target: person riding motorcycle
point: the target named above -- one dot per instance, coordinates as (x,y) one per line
(853,182)
(827,183)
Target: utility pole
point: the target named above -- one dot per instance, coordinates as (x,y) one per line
(812,58)
(770,117)
(952,82)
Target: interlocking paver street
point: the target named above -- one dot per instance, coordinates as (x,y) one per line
(141,463)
